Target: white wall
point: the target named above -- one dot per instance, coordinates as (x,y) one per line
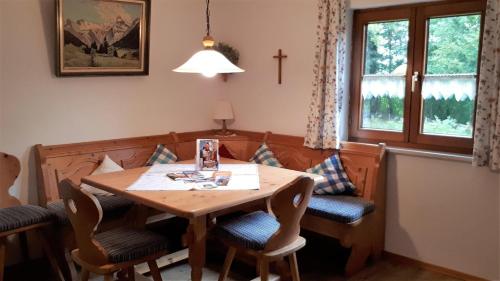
(258,28)
(2,12)
(37,107)
(444,213)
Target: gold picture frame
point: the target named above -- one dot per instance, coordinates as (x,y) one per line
(102,37)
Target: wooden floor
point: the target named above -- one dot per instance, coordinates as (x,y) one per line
(320,260)
(381,271)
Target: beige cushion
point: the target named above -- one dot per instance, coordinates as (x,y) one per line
(107,166)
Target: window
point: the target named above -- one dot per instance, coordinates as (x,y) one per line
(415,71)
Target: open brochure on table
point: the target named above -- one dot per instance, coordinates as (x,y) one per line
(185,177)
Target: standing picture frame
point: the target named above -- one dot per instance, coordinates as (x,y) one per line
(102,37)
(207,154)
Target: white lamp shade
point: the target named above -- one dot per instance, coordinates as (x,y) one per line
(208,62)
(223,110)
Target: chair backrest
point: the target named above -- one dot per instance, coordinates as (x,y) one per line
(9,171)
(289,204)
(85,214)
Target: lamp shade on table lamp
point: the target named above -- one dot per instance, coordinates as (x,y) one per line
(223,111)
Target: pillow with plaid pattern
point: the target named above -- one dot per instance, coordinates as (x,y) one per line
(161,156)
(265,156)
(335,179)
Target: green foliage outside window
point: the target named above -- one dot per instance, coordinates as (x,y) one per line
(387,47)
(453,46)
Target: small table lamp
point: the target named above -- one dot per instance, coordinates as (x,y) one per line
(223,111)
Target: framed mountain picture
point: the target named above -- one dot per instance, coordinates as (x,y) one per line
(103,37)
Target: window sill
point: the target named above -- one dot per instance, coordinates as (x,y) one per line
(431,154)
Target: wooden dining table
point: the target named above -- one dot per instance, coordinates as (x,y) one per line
(194,205)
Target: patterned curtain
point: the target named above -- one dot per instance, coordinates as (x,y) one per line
(329,67)
(487,132)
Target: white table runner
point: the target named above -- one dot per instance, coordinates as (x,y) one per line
(243,177)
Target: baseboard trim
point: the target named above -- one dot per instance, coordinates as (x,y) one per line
(430,267)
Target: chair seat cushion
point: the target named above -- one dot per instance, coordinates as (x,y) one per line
(343,209)
(21,216)
(251,231)
(126,244)
(112,207)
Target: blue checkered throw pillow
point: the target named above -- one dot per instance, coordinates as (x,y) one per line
(265,156)
(161,156)
(335,179)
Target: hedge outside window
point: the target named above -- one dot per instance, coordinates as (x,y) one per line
(415,72)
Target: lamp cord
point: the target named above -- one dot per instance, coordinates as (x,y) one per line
(208,17)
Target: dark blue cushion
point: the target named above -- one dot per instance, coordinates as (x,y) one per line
(20,216)
(112,207)
(128,244)
(251,231)
(343,209)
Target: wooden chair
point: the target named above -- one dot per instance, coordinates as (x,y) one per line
(10,167)
(269,236)
(18,219)
(110,251)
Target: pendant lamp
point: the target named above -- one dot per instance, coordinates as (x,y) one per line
(208,62)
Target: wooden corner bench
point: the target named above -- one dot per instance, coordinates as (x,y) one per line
(359,221)
(364,163)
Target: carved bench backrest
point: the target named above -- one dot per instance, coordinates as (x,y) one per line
(365,166)
(241,146)
(361,161)
(292,153)
(74,161)
(55,163)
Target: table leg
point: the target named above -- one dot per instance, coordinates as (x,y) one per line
(2,257)
(197,244)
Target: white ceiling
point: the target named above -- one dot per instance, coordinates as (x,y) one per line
(363,4)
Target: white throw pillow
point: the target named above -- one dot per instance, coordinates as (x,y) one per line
(107,166)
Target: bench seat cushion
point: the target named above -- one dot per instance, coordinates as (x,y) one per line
(112,207)
(20,216)
(126,244)
(251,231)
(343,209)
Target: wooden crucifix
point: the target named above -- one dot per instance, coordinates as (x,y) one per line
(280,58)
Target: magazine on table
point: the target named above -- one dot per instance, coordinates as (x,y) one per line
(218,178)
(186,177)
(192,176)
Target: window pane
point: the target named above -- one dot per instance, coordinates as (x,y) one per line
(383,82)
(449,86)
